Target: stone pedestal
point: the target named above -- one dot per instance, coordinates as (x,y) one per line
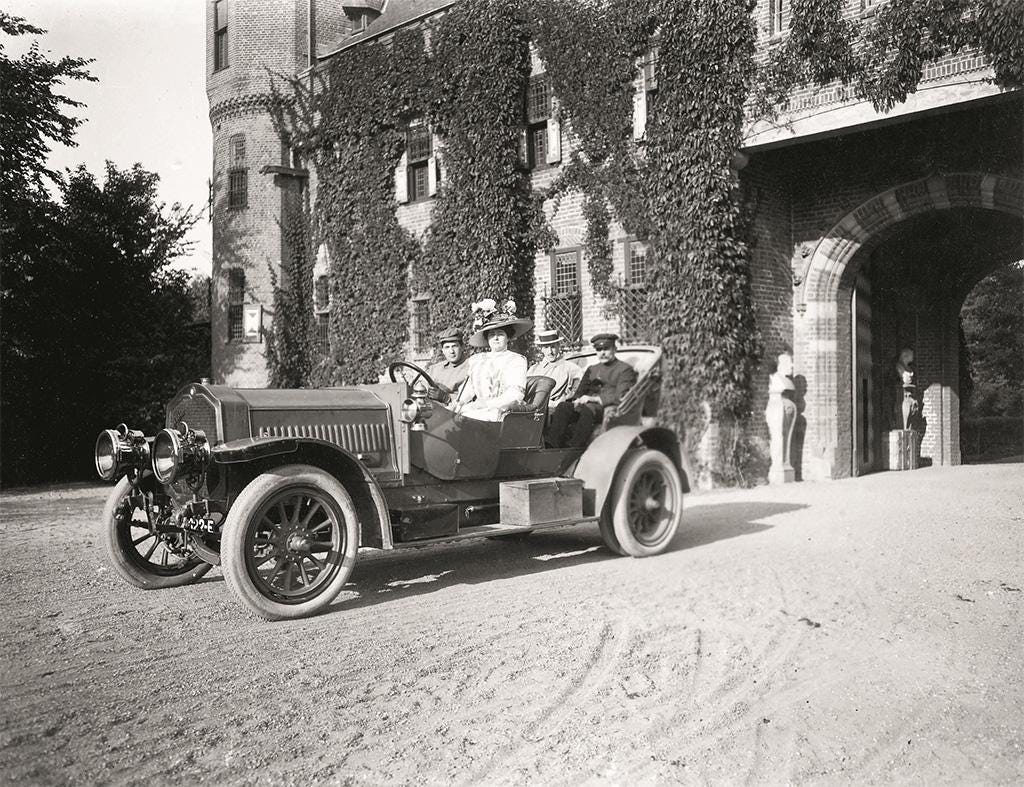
(900,449)
(781,417)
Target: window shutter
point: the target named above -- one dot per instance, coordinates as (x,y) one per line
(536,64)
(432,175)
(554,152)
(432,167)
(639,113)
(524,155)
(438,149)
(402,180)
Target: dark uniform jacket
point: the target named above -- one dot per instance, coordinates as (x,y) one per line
(609,380)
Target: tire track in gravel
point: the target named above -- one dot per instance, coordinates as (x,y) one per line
(483,663)
(597,670)
(734,668)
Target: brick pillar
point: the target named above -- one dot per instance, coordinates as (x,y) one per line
(937,362)
(822,359)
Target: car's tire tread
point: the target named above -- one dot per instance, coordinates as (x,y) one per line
(629,471)
(123,565)
(246,506)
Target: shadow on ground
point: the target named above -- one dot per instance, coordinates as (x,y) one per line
(401,574)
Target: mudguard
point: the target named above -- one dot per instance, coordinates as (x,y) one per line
(252,448)
(303,449)
(599,463)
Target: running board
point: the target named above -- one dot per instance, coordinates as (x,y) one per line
(489,531)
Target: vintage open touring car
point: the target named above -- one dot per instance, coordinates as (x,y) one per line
(281,488)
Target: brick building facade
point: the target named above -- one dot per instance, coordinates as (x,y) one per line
(869,229)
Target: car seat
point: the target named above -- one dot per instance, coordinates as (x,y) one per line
(639,405)
(523,425)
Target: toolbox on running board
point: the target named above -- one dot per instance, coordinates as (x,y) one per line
(541,500)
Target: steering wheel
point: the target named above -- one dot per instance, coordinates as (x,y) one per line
(393,369)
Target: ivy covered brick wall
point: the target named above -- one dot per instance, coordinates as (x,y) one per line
(674,185)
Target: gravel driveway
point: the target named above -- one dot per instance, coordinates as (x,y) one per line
(856,631)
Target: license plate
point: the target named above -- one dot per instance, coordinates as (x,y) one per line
(198,524)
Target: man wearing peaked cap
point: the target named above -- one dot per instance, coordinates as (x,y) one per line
(603,385)
(451,371)
(565,373)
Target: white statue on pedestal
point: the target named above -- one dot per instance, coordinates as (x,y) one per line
(905,372)
(902,441)
(781,417)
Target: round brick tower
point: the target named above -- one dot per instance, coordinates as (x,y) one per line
(253,175)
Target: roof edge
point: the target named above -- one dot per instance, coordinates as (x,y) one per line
(385,30)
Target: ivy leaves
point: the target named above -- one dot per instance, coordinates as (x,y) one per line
(699,289)
(883,55)
(486,225)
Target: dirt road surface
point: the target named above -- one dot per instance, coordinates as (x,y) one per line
(855,631)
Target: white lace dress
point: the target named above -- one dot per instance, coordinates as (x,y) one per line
(496,381)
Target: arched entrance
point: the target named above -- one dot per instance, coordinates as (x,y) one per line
(850,289)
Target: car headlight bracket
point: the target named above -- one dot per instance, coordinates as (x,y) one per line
(181,453)
(119,451)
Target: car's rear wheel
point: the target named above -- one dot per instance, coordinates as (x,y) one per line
(645,506)
(289,542)
(143,558)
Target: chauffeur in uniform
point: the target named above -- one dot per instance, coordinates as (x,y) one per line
(603,385)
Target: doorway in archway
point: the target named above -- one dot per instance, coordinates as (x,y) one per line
(992,368)
(907,296)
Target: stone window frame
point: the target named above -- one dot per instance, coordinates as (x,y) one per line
(777,17)
(419,147)
(236,304)
(645,88)
(238,173)
(419,324)
(629,276)
(538,109)
(558,290)
(220,35)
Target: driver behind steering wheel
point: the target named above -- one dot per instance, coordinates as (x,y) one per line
(451,371)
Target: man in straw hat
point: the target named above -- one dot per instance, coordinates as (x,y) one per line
(452,370)
(565,373)
(603,385)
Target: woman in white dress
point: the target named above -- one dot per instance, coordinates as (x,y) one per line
(497,378)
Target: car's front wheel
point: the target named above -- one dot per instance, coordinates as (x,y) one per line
(142,555)
(645,506)
(289,542)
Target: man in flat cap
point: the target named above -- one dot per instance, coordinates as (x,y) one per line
(603,385)
(451,370)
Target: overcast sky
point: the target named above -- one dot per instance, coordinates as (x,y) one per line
(149,105)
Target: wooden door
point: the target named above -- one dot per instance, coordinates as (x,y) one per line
(865,449)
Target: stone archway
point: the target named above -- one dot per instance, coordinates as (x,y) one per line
(822,322)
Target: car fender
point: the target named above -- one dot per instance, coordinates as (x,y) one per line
(599,463)
(343,464)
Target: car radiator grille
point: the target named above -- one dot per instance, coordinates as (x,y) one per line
(357,438)
(197,412)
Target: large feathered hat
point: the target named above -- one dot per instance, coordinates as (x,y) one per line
(488,315)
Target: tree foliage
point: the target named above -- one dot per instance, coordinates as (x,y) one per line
(97,330)
(32,114)
(882,56)
(993,326)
